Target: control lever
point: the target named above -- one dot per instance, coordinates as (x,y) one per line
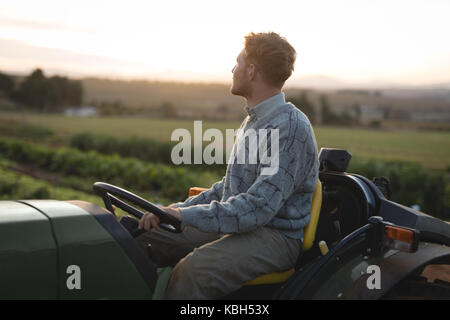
(131,225)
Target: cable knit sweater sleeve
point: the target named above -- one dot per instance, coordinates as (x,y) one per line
(264,198)
(213,193)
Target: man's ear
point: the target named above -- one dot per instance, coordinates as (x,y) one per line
(251,71)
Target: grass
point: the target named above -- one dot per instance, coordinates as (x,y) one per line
(428,148)
(157,129)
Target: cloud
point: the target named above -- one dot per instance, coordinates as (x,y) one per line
(6,22)
(16,55)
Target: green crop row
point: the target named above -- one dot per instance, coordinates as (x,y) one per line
(171,182)
(140,148)
(20,130)
(136,147)
(76,183)
(17,186)
(411,183)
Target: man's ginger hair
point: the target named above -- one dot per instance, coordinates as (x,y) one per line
(272,55)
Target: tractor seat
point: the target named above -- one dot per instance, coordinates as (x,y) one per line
(308,236)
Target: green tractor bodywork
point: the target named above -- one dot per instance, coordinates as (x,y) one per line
(40,240)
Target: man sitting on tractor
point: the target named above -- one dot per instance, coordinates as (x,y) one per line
(251,222)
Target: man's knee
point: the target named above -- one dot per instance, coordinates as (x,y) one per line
(191,278)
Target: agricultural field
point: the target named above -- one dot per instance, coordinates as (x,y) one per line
(58,157)
(430,149)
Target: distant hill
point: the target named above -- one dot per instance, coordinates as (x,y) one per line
(211,97)
(320,82)
(151,94)
(214,100)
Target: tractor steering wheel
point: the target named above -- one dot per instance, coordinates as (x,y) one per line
(109,194)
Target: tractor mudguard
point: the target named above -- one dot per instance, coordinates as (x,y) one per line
(28,253)
(395,268)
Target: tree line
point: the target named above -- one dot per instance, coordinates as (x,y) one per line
(54,94)
(323,113)
(41,93)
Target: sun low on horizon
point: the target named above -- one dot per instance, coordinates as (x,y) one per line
(402,42)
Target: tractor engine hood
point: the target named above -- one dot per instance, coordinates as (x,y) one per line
(42,244)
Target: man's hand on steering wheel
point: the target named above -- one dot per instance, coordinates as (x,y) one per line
(150,220)
(169,218)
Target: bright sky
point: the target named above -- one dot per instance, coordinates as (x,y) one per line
(397,41)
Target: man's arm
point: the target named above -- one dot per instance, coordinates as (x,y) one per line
(264,198)
(213,193)
(205,197)
(150,220)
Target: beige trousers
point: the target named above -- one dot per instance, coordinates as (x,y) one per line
(210,266)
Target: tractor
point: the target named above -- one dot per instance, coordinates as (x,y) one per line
(358,244)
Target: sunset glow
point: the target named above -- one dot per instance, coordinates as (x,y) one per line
(403,42)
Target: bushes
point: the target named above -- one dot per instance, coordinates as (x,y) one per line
(173,183)
(140,148)
(13,186)
(143,149)
(24,131)
(410,183)
(34,132)
(19,186)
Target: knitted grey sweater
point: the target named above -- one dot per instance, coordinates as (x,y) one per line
(250,195)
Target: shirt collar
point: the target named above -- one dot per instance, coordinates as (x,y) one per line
(267,106)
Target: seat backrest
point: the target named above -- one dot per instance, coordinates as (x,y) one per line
(193,191)
(309,233)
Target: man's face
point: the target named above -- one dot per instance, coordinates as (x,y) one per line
(240,84)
